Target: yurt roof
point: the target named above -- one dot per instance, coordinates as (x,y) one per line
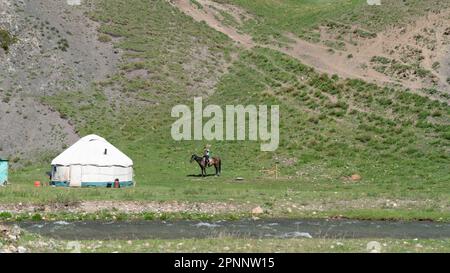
(92,150)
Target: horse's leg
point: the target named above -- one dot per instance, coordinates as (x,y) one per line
(217,169)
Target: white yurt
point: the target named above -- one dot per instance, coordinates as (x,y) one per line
(92,162)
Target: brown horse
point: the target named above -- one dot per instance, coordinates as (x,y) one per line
(214,161)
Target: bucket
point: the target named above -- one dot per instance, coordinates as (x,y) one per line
(37,183)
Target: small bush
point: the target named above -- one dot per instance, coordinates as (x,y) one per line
(6,39)
(36,217)
(364,138)
(63,44)
(104,38)
(5,215)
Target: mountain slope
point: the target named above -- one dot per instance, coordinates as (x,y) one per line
(56,50)
(386,46)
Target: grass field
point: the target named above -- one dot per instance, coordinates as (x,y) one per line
(331,128)
(233,245)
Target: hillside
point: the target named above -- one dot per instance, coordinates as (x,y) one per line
(127,63)
(55,50)
(399,43)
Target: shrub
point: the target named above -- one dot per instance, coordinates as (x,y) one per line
(380,59)
(364,138)
(36,217)
(104,38)
(6,39)
(5,215)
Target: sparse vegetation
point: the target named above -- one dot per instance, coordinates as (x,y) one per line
(104,38)
(436,65)
(401,70)
(196,3)
(63,44)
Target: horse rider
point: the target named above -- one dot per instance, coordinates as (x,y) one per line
(206,154)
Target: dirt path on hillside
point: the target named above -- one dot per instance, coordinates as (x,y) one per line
(329,61)
(322,59)
(310,54)
(208,15)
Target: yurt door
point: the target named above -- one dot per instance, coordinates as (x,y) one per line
(75,176)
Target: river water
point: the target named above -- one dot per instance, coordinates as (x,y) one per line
(269,228)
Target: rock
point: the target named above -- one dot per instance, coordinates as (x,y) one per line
(391,204)
(355,177)
(3,229)
(373,247)
(21,249)
(257,210)
(301,234)
(239,178)
(16,230)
